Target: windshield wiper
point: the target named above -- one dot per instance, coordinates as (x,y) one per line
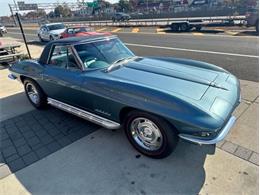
(117,63)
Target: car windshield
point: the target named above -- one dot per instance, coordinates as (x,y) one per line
(103,54)
(56,26)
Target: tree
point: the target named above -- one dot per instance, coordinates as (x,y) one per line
(133,4)
(62,11)
(51,14)
(36,14)
(58,11)
(124,5)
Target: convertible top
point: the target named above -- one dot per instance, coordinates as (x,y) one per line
(70,41)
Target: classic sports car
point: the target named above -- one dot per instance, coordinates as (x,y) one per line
(155,99)
(80,31)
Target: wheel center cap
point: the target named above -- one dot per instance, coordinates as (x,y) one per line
(147,132)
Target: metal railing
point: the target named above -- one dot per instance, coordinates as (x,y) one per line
(157,22)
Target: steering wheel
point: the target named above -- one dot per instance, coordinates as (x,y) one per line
(88,61)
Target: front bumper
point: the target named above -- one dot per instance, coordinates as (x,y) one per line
(215,140)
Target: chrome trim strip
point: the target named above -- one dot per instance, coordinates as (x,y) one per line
(79,61)
(11,76)
(217,139)
(84,114)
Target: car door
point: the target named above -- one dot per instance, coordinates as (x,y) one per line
(62,77)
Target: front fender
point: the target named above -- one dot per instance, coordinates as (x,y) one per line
(185,116)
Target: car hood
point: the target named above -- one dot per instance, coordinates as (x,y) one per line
(57,32)
(175,77)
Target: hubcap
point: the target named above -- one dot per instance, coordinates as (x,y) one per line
(146,134)
(32,93)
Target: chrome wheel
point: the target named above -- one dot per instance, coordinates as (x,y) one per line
(32,93)
(146,134)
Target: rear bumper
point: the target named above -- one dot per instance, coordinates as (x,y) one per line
(12,76)
(215,140)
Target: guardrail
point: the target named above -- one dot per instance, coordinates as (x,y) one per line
(157,22)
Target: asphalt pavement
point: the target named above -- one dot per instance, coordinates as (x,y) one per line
(237,54)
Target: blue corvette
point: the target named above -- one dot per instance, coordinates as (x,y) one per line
(156,100)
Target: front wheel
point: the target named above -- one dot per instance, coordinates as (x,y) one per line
(51,38)
(40,38)
(150,135)
(35,94)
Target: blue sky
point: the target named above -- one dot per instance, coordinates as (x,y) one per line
(4,8)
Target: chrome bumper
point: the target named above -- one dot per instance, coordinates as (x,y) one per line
(217,139)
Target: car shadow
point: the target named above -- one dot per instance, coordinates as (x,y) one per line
(38,43)
(104,162)
(208,31)
(54,152)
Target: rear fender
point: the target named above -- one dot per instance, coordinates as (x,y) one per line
(27,68)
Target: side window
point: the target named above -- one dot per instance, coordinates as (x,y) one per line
(63,57)
(70,31)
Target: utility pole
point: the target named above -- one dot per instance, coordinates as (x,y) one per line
(24,39)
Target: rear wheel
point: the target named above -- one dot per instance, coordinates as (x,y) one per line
(198,28)
(150,135)
(184,27)
(175,27)
(35,94)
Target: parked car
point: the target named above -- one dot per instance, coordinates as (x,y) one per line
(156,100)
(252,18)
(80,31)
(51,31)
(3,29)
(121,17)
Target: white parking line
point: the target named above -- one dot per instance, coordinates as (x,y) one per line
(193,50)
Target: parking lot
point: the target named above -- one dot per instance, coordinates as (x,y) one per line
(53,152)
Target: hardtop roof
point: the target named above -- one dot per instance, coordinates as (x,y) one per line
(71,41)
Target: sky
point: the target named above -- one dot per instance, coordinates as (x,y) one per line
(4,8)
